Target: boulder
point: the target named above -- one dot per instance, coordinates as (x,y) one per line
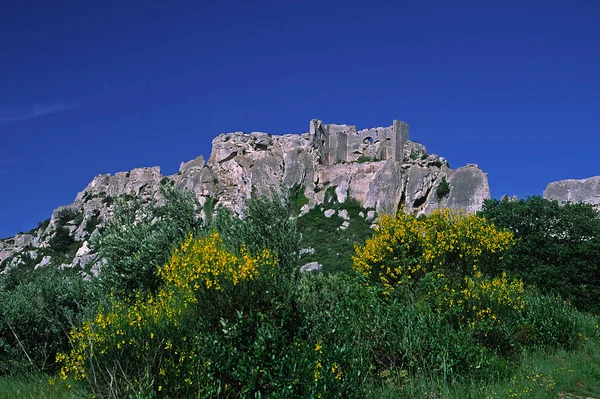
(311,267)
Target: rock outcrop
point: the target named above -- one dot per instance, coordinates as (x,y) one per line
(584,190)
(380,167)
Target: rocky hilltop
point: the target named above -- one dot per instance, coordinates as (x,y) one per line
(380,167)
(584,190)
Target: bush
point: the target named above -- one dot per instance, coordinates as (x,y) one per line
(365,158)
(369,338)
(404,248)
(92,222)
(266,224)
(296,199)
(199,335)
(140,238)
(66,215)
(62,241)
(443,188)
(232,320)
(557,246)
(35,318)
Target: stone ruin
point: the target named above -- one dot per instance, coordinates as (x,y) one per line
(342,143)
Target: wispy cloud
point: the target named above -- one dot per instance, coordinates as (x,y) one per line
(42,109)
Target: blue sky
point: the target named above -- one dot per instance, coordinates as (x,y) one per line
(100,87)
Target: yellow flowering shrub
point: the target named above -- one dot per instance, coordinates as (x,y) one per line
(406,247)
(206,262)
(143,340)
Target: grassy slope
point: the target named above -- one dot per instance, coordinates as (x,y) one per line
(333,247)
(559,374)
(35,386)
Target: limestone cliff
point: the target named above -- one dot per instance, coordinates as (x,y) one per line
(584,190)
(380,167)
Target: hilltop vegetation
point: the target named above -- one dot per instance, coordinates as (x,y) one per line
(444,305)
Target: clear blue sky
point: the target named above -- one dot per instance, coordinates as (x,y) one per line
(90,87)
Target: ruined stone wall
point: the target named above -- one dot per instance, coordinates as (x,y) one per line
(344,144)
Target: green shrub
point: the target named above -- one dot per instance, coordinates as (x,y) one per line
(217,327)
(35,318)
(365,158)
(92,222)
(296,199)
(61,241)
(140,238)
(108,200)
(443,189)
(44,225)
(66,215)
(331,195)
(266,224)
(369,338)
(557,246)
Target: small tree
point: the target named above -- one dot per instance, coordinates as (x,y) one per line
(557,246)
(266,224)
(141,237)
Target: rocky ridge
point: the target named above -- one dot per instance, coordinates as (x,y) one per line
(572,190)
(380,167)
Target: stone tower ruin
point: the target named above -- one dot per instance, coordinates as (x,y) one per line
(342,143)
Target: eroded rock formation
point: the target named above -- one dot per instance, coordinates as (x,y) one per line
(584,190)
(380,167)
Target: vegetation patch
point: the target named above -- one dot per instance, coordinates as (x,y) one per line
(365,158)
(436,306)
(443,189)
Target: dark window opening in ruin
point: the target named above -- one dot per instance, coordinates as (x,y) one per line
(368,140)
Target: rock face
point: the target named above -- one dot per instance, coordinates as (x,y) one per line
(380,167)
(584,190)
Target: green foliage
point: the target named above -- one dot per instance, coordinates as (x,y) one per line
(36,385)
(61,241)
(557,246)
(369,337)
(44,224)
(92,222)
(539,374)
(365,158)
(35,317)
(220,325)
(432,313)
(328,245)
(296,199)
(140,238)
(443,188)
(108,200)
(266,224)
(66,215)
(331,195)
